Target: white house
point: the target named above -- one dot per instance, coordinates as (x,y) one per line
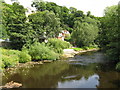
(62,35)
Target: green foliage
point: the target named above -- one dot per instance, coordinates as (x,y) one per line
(12,57)
(1,64)
(109,35)
(3,32)
(13,23)
(87,48)
(41,52)
(45,25)
(58,45)
(67,37)
(85,33)
(24,34)
(46,22)
(77,49)
(118,66)
(9,61)
(84,48)
(24,57)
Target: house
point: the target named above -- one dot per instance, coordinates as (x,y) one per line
(62,35)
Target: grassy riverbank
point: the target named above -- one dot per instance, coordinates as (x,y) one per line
(10,58)
(16,58)
(52,50)
(83,48)
(55,49)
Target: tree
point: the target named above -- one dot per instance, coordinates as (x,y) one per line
(110,33)
(45,25)
(14,19)
(85,32)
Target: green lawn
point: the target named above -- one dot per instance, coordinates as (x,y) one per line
(83,48)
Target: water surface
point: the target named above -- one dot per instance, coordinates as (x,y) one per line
(88,70)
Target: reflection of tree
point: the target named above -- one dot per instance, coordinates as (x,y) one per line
(49,74)
(109,79)
(79,71)
(44,76)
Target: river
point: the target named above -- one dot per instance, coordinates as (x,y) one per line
(87,70)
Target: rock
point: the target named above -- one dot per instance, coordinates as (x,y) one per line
(67,55)
(48,61)
(11,85)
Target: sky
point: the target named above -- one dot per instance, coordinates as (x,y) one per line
(95,6)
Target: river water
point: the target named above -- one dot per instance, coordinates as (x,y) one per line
(87,70)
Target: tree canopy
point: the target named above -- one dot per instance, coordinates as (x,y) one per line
(47,21)
(110,34)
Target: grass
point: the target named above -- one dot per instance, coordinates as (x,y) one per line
(77,49)
(83,48)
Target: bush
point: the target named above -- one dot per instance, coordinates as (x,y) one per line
(41,52)
(67,37)
(1,64)
(12,57)
(10,52)
(9,61)
(24,57)
(118,66)
(58,45)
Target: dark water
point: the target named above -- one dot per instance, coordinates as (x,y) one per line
(88,70)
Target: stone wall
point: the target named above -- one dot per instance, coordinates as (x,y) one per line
(4,44)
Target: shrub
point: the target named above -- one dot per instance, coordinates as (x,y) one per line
(86,48)
(67,37)
(1,64)
(58,45)
(10,52)
(41,52)
(12,57)
(118,66)
(24,57)
(9,61)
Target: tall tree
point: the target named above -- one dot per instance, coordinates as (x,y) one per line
(45,24)
(14,21)
(110,32)
(85,32)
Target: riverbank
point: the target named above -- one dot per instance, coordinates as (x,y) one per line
(67,53)
(27,65)
(83,68)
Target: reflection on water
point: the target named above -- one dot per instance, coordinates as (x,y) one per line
(89,70)
(91,82)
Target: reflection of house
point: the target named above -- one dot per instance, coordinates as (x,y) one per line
(62,35)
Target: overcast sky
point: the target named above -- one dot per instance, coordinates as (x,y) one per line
(95,6)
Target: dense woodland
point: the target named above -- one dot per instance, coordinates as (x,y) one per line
(27,33)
